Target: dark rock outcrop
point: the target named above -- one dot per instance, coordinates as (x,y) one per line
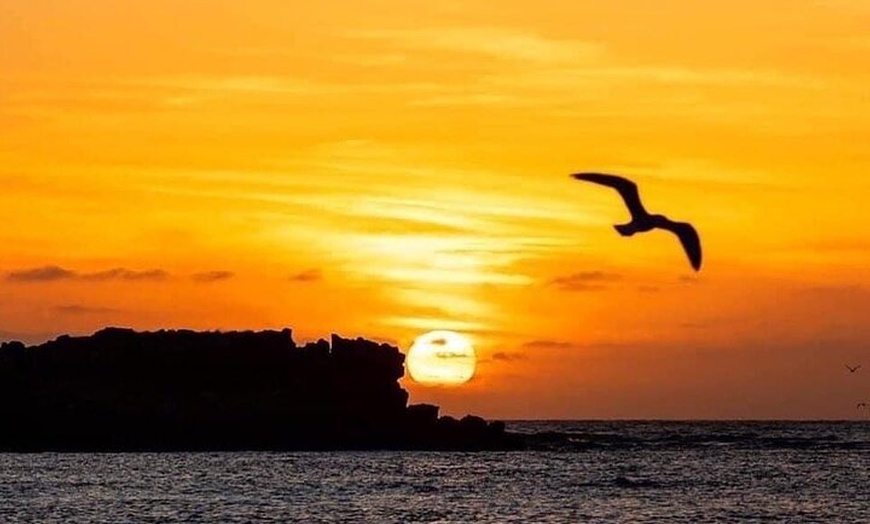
(183,390)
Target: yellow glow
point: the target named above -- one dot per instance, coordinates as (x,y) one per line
(441,358)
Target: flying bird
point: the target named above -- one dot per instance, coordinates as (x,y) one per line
(642,220)
(852,369)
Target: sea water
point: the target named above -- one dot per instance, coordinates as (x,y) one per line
(598,472)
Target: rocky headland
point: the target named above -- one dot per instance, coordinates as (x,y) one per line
(122,390)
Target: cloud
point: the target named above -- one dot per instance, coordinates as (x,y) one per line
(467,99)
(309,275)
(247,85)
(548,344)
(40,274)
(688,279)
(508,357)
(212,276)
(427,323)
(57,273)
(496,42)
(585,281)
(77,309)
(451,355)
(125,274)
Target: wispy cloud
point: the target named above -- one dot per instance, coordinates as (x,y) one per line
(497,42)
(57,273)
(515,69)
(212,276)
(452,355)
(309,275)
(154,94)
(40,274)
(192,90)
(566,64)
(670,74)
(260,85)
(548,344)
(78,309)
(125,274)
(585,281)
(559,345)
(421,323)
(503,356)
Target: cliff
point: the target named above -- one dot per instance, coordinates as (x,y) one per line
(183,390)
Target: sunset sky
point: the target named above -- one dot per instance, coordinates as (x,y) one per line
(389,167)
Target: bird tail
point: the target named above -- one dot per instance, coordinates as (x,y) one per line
(625,230)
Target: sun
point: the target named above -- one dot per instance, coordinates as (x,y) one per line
(441,358)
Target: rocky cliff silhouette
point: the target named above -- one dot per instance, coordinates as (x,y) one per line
(120,390)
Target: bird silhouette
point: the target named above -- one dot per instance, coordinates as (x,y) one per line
(642,220)
(852,369)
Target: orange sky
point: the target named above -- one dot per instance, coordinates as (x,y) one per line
(387,167)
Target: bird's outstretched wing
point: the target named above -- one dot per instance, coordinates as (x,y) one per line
(688,238)
(852,369)
(626,188)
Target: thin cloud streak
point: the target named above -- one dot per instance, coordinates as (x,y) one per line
(40,274)
(125,274)
(57,273)
(78,309)
(585,281)
(549,344)
(503,356)
(309,275)
(212,276)
(495,42)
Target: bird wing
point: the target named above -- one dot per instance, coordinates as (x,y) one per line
(626,188)
(688,238)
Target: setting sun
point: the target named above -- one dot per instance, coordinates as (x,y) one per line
(441,358)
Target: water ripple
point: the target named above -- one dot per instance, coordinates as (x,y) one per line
(685,485)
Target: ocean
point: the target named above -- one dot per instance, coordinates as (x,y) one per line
(596,472)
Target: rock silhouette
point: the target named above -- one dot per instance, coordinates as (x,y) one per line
(122,390)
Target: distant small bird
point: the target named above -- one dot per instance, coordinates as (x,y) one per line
(852,369)
(642,221)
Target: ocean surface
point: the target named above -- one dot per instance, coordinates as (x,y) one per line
(597,472)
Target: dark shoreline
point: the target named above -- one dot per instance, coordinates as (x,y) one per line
(181,390)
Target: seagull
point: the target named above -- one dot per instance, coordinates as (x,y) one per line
(852,369)
(642,220)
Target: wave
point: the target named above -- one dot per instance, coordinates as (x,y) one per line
(650,435)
